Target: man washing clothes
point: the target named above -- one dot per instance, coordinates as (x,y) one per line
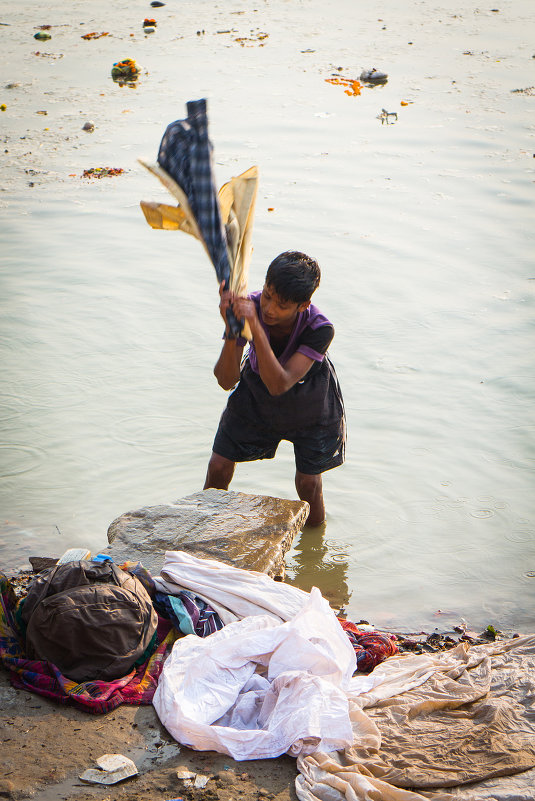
(286,387)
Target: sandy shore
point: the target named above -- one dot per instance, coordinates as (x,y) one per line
(45,747)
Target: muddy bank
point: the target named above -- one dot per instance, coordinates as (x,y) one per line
(45,747)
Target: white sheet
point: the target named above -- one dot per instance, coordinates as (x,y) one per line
(240,592)
(258,688)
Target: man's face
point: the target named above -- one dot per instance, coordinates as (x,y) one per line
(279,312)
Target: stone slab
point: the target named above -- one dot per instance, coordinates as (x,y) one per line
(248,531)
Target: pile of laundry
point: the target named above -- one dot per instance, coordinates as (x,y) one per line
(238,663)
(142,617)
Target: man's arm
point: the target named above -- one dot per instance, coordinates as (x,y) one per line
(277,378)
(227,368)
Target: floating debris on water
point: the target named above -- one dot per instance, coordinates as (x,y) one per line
(125,72)
(102,172)
(48,55)
(353,86)
(385,115)
(373,76)
(95,35)
(254,38)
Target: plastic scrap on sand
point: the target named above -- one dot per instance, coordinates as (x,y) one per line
(112,768)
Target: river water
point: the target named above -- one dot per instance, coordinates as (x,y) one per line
(424,230)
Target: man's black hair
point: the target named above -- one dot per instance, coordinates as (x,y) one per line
(294,276)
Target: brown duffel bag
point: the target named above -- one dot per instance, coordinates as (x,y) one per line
(90,619)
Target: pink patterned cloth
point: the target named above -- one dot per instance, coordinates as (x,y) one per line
(371,647)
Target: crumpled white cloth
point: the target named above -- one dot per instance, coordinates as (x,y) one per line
(232,592)
(258,688)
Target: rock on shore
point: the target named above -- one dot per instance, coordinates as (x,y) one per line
(248,531)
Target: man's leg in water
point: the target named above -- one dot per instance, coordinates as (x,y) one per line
(310,488)
(219,473)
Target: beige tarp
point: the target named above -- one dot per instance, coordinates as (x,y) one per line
(237,200)
(458,726)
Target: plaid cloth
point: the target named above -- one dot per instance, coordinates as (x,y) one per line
(371,647)
(186,154)
(188,613)
(44,678)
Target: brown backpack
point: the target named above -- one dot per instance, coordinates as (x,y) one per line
(90,619)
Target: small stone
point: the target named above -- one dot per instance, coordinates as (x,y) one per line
(185,773)
(147,29)
(88,126)
(157,4)
(225,778)
(42,36)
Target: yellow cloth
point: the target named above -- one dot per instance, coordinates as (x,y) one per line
(237,200)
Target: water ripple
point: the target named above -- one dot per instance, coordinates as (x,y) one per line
(157,433)
(482,514)
(18,459)
(520,535)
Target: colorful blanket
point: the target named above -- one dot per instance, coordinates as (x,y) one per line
(44,678)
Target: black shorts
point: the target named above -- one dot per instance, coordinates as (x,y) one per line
(316,449)
(247,432)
